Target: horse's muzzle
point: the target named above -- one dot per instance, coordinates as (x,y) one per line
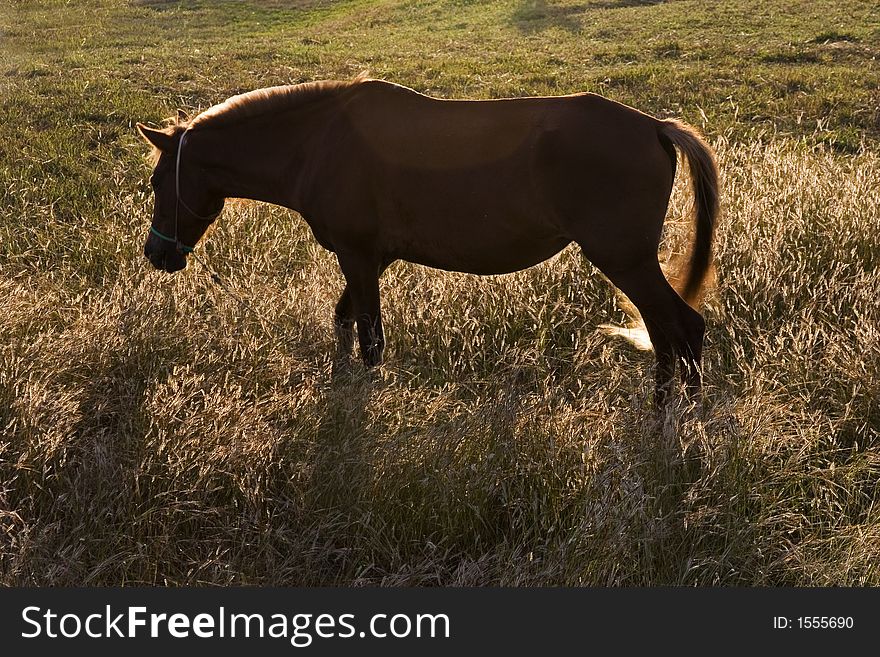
(164,256)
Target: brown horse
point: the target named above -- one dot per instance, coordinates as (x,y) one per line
(383,173)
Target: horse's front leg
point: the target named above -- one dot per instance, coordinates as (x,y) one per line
(343,324)
(360,302)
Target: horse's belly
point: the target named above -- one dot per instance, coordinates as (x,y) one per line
(480,220)
(481,252)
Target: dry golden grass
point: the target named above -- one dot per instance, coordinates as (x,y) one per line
(153,431)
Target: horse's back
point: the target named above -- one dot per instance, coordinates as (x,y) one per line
(417,130)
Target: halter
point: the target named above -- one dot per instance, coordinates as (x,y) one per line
(181,247)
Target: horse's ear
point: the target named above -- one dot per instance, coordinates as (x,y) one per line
(164,141)
(182,117)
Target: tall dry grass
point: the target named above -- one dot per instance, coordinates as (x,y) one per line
(153,431)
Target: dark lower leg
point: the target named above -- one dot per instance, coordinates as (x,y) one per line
(343,323)
(362,278)
(692,350)
(665,367)
(371,338)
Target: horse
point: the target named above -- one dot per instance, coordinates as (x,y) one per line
(382,173)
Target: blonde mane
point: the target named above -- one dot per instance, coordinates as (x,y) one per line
(263,101)
(250,104)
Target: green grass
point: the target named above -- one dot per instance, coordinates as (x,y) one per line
(152,431)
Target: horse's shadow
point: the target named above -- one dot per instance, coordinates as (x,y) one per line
(107,440)
(341,471)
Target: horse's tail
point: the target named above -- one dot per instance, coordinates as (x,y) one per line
(704,182)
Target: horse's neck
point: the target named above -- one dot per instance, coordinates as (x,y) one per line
(258,161)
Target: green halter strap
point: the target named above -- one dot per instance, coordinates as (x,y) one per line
(183,248)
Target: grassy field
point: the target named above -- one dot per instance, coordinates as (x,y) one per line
(152,431)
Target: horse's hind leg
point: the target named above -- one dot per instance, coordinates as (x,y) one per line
(676,329)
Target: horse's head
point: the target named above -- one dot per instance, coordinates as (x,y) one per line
(184,205)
